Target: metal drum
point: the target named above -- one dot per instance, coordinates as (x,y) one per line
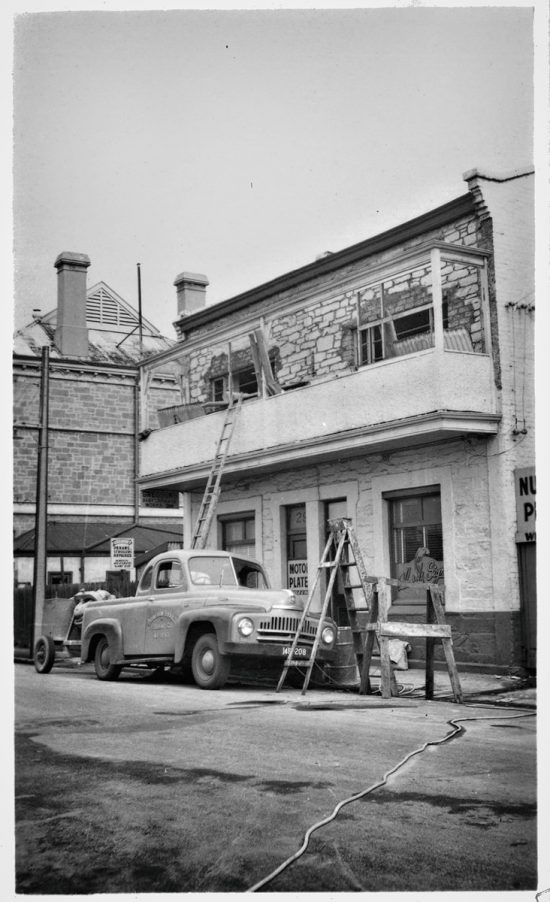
(343,671)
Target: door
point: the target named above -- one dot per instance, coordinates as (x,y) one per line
(164,607)
(527,552)
(296,550)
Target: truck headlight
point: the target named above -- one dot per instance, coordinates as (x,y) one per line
(328,635)
(245,626)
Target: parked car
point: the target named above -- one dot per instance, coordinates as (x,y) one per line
(196,612)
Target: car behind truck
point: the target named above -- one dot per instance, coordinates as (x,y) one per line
(195,612)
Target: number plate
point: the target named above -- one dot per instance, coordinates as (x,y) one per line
(302,653)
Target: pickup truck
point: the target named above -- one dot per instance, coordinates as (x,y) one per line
(196,612)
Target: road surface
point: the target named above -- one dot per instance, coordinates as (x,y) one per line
(154,786)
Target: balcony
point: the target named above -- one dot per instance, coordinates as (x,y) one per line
(433,394)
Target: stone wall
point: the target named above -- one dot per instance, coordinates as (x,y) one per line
(91,457)
(312,334)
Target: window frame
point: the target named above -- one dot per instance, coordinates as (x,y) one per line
(245,517)
(410,602)
(381,324)
(163,566)
(65,578)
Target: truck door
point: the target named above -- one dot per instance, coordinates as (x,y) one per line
(163,608)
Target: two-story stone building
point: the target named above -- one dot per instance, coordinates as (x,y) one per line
(405,364)
(95,340)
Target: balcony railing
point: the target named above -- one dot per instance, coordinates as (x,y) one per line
(425,395)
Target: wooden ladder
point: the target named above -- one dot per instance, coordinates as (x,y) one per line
(342,544)
(434,629)
(212,491)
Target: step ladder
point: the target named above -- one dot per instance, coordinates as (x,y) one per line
(212,491)
(378,628)
(341,553)
(436,628)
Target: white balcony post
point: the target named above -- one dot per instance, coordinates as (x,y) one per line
(229,374)
(437,298)
(486,319)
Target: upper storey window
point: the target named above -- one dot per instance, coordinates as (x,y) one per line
(401,314)
(243,381)
(396,316)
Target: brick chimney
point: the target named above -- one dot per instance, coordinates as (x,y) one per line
(71,336)
(191,292)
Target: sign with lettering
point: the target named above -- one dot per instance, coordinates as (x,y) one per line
(526,504)
(122,554)
(422,568)
(297,577)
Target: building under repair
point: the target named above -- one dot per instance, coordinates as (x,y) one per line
(390,382)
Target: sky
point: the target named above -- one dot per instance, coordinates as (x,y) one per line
(242,144)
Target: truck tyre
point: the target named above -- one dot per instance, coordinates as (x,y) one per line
(44,654)
(210,668)
(102,661)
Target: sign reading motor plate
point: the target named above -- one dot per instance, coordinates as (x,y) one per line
(526,504)
(122,554)
(297,577)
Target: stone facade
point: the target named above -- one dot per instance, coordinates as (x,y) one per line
(313,334)
(92,437)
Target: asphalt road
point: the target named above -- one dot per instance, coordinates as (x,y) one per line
(154,786)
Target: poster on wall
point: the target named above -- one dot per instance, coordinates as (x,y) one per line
(122,554)
(526,504)
(298,578)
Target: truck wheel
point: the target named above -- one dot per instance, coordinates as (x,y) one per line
(210,668)
(44,654)
(102,661)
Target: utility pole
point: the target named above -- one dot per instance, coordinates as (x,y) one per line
(41,514)
(139,309)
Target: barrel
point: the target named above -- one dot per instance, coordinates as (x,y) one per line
(343,670)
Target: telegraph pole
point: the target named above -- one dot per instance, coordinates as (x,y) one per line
(41,515)
(140,317)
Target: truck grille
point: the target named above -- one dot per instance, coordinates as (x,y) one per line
(283,629)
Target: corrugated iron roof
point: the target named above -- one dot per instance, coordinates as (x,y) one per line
(103,347)
(78,537)
(111,339)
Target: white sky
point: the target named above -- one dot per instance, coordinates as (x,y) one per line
(242,144)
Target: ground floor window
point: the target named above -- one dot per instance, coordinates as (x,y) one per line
(60,577)
(416,540)
(239,533)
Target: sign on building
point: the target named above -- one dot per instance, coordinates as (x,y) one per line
(297,577)
(526,504)
(122,554)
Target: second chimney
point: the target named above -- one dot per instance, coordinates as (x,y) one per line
(71,336)
(191,292)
